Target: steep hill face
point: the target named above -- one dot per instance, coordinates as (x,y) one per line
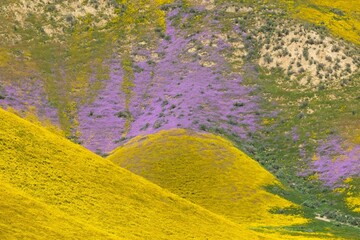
(52,188)
(68,189)
(64,50)
(106,83)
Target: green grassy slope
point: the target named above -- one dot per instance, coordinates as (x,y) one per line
(70,189)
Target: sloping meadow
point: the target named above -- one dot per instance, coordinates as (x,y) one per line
(53,188)
(273,76)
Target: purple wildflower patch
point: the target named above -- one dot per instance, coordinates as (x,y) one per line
(336,161)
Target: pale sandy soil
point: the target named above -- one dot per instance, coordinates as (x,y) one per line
(307,56)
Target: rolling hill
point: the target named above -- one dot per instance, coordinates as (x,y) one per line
(275,81)
(210,171)
(51,187)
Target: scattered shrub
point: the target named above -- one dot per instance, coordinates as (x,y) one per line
(267,58)
(306,53)
(203,127)
(238,104)
(164,103)
(337,12)
(157,124)
(50,8)
(335,48)
(146,126)
(124,114)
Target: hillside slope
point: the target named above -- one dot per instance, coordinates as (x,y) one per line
(279,78)
(340,16)
(23,217)
(208,171)
(211,172)
(72,183)
(52,188)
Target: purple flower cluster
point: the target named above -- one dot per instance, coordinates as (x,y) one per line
(26,95)
(176,91)
(336,161)
(99,126)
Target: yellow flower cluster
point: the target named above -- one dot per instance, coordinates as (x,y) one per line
(340,16)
